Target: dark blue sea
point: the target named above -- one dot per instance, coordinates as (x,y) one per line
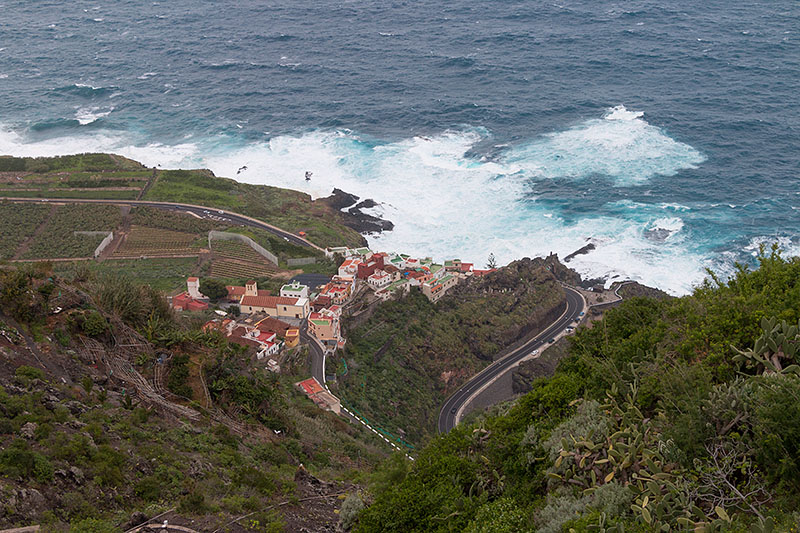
(666,133)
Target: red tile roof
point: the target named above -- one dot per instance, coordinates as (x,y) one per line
(191,279)
(235,292)
(269,302)
(273,324)
(186,302)
(311,386)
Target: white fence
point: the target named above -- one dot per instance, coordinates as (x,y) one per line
(301,261)
(109,236)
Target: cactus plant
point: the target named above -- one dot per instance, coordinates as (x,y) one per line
(777,346)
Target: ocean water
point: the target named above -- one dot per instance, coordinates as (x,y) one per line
(666,133)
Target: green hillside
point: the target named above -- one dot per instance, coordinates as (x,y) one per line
(668,415)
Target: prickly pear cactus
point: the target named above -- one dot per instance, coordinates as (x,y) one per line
(775,351)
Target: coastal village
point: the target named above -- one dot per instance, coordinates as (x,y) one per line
(272,325)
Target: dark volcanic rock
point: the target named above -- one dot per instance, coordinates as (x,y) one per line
(580,251)
(632,289)
(542,366)
(340,199)
(354,217)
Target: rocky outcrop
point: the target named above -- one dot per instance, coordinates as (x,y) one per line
(633,289)
(353,216)
(540,367)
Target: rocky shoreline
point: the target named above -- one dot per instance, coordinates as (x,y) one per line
(353,217)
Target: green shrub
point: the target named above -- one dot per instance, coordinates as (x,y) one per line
(25,374)
(148,488)
(94,324)
(271,453)
(18,460)
(237,503)
(107,466)
(194,503)
(351,507)
(62,337)
(499,516)
(77,507)
(255,478)
(92,525)
(177,383)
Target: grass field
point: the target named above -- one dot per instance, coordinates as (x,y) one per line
(68,163)
(17,223)
(58,238)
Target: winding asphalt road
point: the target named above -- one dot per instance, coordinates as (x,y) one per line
(452,408)
(199,210)
(316,352)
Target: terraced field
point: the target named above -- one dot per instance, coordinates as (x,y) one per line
(236,250)
(17,223)
(227,269)
(156,241)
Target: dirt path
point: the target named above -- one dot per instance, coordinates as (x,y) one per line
(120,234)
(26,244)
(147,185)
(202,260)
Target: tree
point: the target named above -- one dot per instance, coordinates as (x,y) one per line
(214,289)
(491,262)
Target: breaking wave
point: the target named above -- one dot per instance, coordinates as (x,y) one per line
(446,203)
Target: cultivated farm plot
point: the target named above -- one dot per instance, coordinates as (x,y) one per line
(236,250)
(17,223)
(162,273)
(155,241)
(174,220)
(228,269)
(57,239)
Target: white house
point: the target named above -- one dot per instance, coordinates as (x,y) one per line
(267,349)
(193,288)
(294,290)
(379,279)
(349,267)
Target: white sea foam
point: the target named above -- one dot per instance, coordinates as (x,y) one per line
(445,204)
(671,224)
(674,207)
(147,75)
(620,113)
(87,115)
(621,145)
(790,246)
